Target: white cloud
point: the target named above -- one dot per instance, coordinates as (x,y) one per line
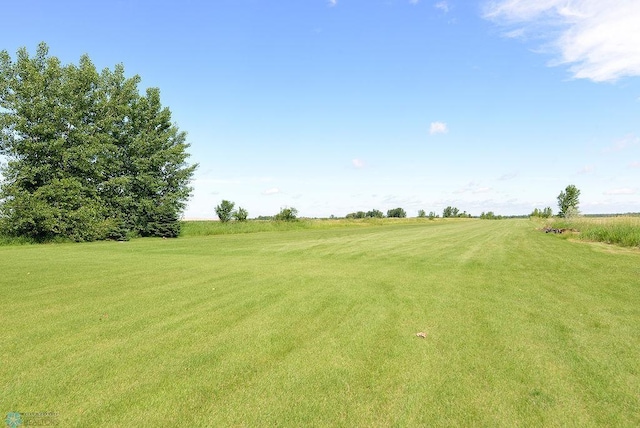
(635,164)
(271,191)
(358,163)
(623,143)
(598,39)
(333,3)
(473,187)
(508,176)
(587,169)
(482,190)
(442,5)
(624,191)
(438,128)
(414,1)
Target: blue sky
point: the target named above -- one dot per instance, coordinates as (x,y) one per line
(338,106)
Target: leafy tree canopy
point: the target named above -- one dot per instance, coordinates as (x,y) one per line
(224,210)
(568,201)
(396,212)
(88,156)
(240,214)
(450,212)
(286,214)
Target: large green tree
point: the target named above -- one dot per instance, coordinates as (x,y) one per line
(88,156)
(568,201)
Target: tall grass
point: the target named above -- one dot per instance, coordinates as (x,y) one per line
(623,230)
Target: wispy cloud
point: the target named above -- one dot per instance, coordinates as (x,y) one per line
(474,188)
(358,163)
(414,1)
(509,176)
(481,190)
(442,5)
(599,40)
(623,143)
(332,3)
(624,191)
(271,191)
(438,128)
(587,169)
(634,164)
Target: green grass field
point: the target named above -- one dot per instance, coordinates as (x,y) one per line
(317,326)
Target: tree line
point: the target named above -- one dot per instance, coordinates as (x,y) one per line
(225,212)
(89,157)
(567,202)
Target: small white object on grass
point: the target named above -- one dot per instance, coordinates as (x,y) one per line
(422,334)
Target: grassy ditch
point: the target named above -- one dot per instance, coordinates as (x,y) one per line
(622,230)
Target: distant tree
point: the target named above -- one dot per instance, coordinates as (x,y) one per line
(432,215)
(286,214)
(450,212)
(422,214)
(569,198)
(397,213)
(358,214)
(240,214)
(374,214)
(224,210)
(490,216)
(545,213)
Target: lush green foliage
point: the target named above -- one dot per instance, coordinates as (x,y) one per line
(357,214)
(317,327)
(545,213)
(397,213)
(286,214)
(568,201)
(422,213)
(374,213)
(490,216)
(240,214)
(224,210)
(449,212)
(88,156)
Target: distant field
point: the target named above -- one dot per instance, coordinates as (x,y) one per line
(315,325)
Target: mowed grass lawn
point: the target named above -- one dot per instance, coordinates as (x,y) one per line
(318,328)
